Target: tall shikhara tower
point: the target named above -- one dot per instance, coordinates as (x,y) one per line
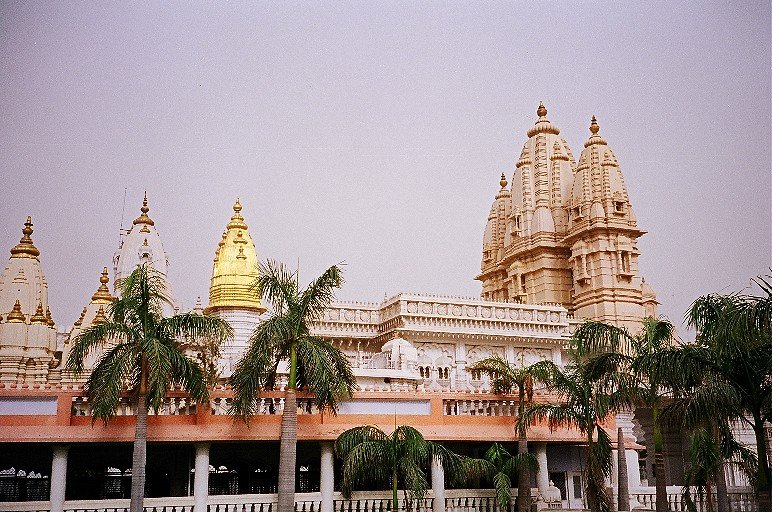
(565,233)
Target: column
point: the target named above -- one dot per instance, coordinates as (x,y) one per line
(58,478)
(542,477)
(201,478)
(633,470)
(327,476)
(438,485)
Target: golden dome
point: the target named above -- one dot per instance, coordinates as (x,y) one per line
(144,219)
(39,317)
(102,295)
(16,316)
(49,319)
(235,268)
(79,321)
(25,248)
(100,317)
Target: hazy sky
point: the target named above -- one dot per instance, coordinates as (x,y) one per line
(375,132)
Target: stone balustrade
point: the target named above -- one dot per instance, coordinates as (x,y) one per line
(264,405)
(479,407)
(429,313)
(739,501)
(456,500)
(171,406)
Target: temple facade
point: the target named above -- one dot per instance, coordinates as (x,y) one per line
(560,246)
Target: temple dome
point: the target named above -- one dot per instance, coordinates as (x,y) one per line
(496,233)
(142,245)
(599,189)
(235,269)
(23,279)
(542,179)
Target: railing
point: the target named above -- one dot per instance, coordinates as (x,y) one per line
(171,406)
(738,502)
(475,407)
(456,500)
(266,405)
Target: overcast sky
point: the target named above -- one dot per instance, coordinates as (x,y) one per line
(375,133)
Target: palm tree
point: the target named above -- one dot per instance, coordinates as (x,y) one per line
(586,401)
(638,365)
(500,467)
(506,378)
(734,345)
(370,455)
(142,353)
(315,365)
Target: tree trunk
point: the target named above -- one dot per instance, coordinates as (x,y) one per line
(523,476)
(593,501)
(721,490)
(763,491)
(394,490)
(139,457)
(660,481)
(623,487)
(288,452)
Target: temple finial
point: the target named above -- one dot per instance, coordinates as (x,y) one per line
(542,110)
(144,219)
(16,315)
(594,127)
(39,317)
(25,248)
(503,181)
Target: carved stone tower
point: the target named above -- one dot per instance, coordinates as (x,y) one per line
(566,233)
(524,256)
(603,234)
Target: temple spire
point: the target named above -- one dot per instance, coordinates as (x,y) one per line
(144,219)
(25,248)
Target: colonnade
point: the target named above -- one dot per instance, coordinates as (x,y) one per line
(327,476)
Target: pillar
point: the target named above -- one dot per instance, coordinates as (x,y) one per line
(438,485)
(201,478)
(327,477)
(543,476)
(58,478)
(623,485)
(633,470)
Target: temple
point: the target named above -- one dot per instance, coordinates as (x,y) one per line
(560,246)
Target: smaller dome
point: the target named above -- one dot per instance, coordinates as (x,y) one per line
(647,291)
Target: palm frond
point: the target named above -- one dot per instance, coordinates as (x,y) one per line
(277,285)
(593,337)
(325,371)
(366,462)
(353,437)
(115,370)
(503,486)
(95,336)
(414,477)
(193,325)
(320,293)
